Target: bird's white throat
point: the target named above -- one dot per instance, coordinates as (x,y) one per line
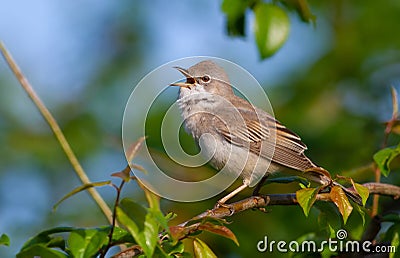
(192,101)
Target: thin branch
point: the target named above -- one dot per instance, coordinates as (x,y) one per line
(383,189)
(387,132)
(257,202)
(56,130)
(114,219)
(193,225)
(375,198)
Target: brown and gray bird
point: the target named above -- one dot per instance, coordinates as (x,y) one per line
(236,135)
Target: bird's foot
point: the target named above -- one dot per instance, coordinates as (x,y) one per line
(228,206)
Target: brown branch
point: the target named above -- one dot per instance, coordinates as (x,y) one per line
(259,202)
(193,225)
(383,189)
(375,198)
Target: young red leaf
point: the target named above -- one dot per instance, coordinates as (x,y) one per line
(219,230)
(177,232)
(124,174)
(339,198)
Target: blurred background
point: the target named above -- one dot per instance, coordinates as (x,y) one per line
(330,83)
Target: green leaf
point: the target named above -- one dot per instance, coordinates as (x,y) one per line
(339,198)
(58,242)
(235,16)
(329,218)
(171,248)
(361,210)
(39,250)
(150,232)
(306,198)
(384,157)
(144,223)
(44,238)
(362,191)
(392,236)
(219,230)
(128,223)
(120,235)
(271,28)
(136,212)
(152,199)
(80,189)
(4,240)
(154,204)
(201,249)
(86,242)
(170,216)
(395,242)
(161,219)
(143,229)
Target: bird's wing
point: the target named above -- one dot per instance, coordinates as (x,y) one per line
(256,132)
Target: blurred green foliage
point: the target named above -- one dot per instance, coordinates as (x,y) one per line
(338,106)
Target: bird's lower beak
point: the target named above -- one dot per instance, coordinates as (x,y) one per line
(189,79)
(181,84)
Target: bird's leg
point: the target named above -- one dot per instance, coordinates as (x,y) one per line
(222,201)
(260,184)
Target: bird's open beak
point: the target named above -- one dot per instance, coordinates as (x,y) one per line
(190,81)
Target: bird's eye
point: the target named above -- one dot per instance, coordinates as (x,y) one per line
(205,78)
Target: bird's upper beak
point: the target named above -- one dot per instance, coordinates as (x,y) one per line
(190,80)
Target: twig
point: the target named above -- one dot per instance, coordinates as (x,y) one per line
(114,219)
(383,189)
(388,130)
(56,130)
(375,198)
(256,202)
(194,224)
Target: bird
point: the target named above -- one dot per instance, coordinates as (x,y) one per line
(237,135)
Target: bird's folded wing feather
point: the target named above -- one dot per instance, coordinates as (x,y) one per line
(257,133)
